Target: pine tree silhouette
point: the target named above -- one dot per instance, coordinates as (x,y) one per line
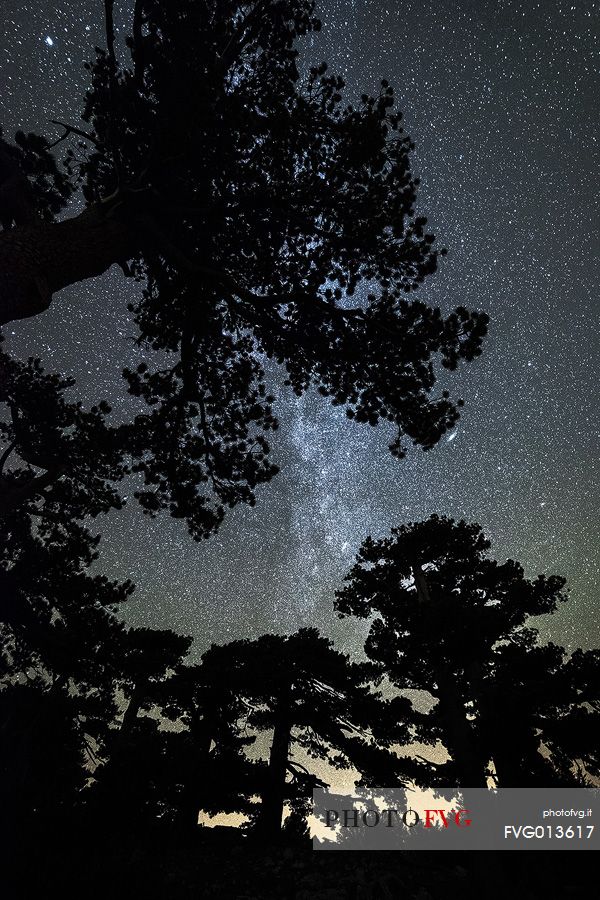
(69,665)
(250,201)
(309,698)
(455,624)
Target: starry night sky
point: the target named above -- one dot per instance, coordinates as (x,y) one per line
(500,97)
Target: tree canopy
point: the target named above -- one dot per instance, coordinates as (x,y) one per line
(313,701)
(252,203)
(268,225)
(449,621)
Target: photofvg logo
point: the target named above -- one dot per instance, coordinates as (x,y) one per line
(385,819)
(371,817)
(457,819)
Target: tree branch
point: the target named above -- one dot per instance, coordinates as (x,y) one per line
(109,25)
(240,37)
(6,454)
(13,494)
(183,261)
(71,129)
(138,43)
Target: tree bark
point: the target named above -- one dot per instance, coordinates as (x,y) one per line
(40,259)
(202,731)
(460,737)
(273,798)
(130,715)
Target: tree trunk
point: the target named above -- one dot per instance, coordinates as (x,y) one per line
(273,798)
(130,715)
(517,758)
(202,732)
(38,260)
(461,737)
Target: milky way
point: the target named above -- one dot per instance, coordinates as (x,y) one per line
(500,98)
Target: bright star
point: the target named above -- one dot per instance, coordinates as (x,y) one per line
(49,41)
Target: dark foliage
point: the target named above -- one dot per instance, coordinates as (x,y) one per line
(251,202)
(267,222)
(451,622)
(314,702)
(68,664)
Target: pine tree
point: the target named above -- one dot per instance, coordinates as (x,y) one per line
(68,663)
(542,716)
(310,699)
(454,624)
(250,202)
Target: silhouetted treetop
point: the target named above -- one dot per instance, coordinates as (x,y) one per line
(446,564)
(250,201)
(58,461)
(551,701)
(455,624)
(315,700)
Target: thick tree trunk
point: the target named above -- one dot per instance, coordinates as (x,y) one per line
(459,733)
(273,797)
(202,732)
(461,738)
(510,771)
(517,758)
(130,715)
(38,260)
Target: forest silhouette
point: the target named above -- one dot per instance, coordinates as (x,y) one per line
(264,218)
